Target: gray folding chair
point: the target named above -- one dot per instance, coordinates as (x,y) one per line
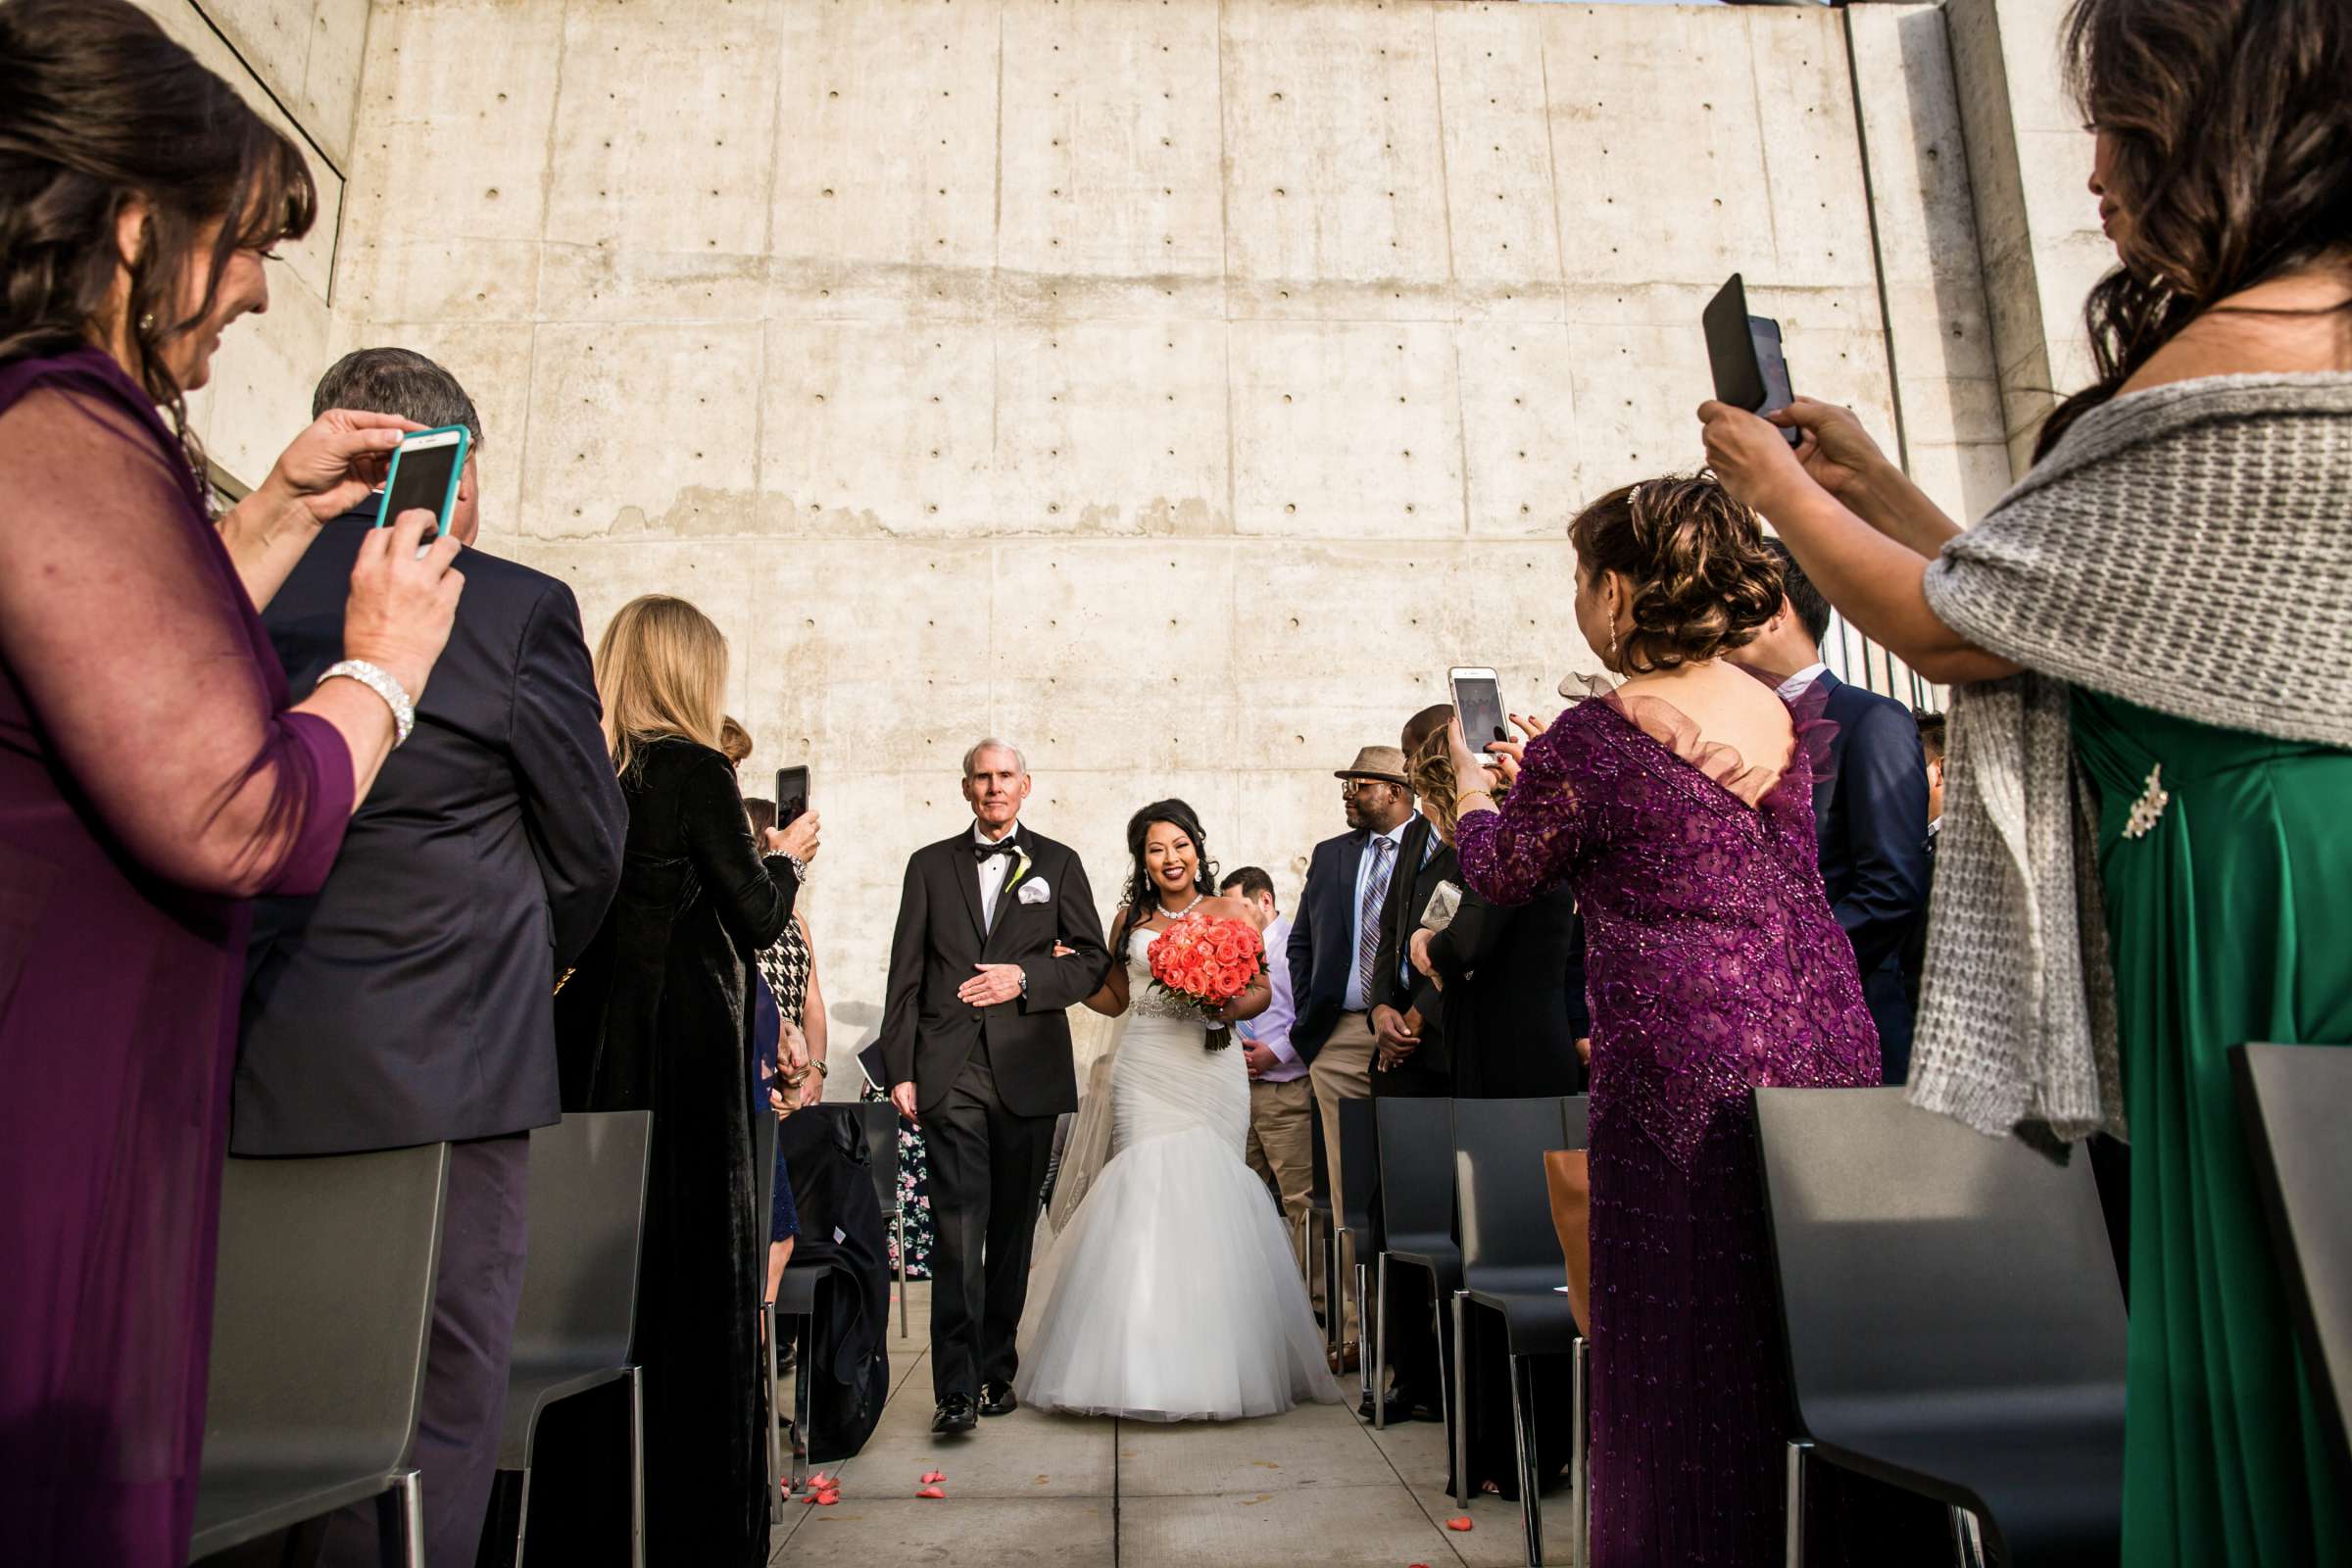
(1416,1202)
(579,1290)
(1952,1319)
(795,1300)
(2296,1101)
(881,1120)
(1512,1268)
(1360,1174)
(321,1310)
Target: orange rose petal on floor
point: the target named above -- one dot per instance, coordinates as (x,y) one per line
(932,1477)
(1463,1523)
(931,1492)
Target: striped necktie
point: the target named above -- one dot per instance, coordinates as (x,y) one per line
(1376,893)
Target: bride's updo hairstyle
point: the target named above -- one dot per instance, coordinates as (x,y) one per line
(1143,894)
(1702,583)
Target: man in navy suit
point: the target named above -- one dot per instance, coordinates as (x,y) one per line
(409,1001)
(1871,813)
(1333,948)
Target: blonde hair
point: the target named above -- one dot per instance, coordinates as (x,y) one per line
(1431,772)
(735,741)
(660,671)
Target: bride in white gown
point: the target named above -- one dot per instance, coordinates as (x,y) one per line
(1171,1294)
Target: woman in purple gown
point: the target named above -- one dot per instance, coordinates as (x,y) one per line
(1680,807)
(152,776)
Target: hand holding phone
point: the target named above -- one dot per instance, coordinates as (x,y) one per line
(425,468)
(1478,707)
(1745,352)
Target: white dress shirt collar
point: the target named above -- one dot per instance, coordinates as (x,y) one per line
(1796,685)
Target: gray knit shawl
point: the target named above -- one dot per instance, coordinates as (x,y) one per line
(2189,549)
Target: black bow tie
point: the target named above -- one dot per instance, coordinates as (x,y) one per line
(989,851)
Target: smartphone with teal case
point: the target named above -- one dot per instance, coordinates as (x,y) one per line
(425,468)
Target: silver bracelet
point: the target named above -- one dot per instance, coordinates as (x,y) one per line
(380,682)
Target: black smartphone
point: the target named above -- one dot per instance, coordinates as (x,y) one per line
(792,796)
(1478,703)
(1744,351)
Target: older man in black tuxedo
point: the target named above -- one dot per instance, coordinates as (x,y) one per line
(409,1001)
(997,939)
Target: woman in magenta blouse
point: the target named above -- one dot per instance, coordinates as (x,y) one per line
(153,778)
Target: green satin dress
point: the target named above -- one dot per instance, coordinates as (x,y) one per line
(2227,922)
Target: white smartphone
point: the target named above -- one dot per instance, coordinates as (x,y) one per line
(1478,703)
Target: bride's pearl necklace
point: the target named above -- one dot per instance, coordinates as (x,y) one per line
(1169,915)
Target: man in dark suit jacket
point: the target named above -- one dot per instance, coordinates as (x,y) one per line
(976,1042)
(409,1001)
(1871,813)
(1334,945)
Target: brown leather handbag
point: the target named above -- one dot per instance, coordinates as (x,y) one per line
(1569,1179)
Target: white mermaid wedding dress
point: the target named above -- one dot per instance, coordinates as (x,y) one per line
(1172,1293)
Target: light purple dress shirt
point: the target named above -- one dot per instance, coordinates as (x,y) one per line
(1272,1027)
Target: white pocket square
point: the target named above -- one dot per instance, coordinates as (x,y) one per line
(1036,891)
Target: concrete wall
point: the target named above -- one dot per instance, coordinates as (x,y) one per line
(1177,389)
(2030,164)
(298,62)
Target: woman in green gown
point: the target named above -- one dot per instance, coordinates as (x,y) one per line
(2148,844)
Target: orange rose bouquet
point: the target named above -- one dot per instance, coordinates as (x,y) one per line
(1206,963)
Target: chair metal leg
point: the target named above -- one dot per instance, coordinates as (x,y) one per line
(1380,1347)
(803,1352)
(522,1516)
(1363,1316)
(1334,1305)
(1461,1400)
(1579,1466)
(898,1219)
(1795,1556)
(637,1466)
(1523,1437)
(767,1356)
(1967,1539)
(409,1488)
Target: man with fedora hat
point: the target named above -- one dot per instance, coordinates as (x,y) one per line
(1335,942)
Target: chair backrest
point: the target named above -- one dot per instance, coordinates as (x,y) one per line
(2296,1101)
(1499,1150)
(587,1222)
(1920,1259)
(1360,1163)
(881,1119)
(321,1309)
(1416,1165)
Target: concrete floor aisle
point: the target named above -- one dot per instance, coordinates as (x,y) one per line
(1315,1487)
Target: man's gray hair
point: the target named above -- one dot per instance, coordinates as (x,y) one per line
(398,381)
(992,744)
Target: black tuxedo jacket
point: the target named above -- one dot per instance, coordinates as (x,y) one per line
(927,1034)
(1872,816)
(410,998)
(1322,944)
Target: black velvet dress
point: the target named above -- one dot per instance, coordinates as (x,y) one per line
(656,1017)
(1514,996)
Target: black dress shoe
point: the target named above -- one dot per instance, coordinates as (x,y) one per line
(954,1415)
(996,1398)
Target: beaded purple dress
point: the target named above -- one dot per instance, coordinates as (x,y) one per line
(1713,966)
